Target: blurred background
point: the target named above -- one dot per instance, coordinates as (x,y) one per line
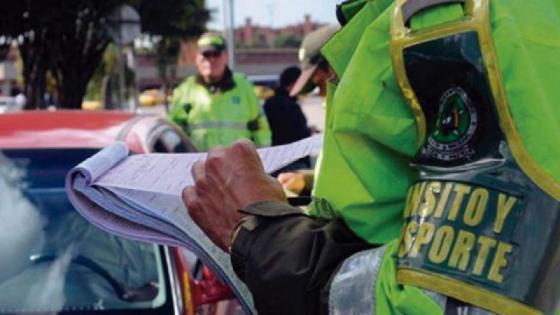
(130,54)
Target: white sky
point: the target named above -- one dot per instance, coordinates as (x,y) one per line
(274,12)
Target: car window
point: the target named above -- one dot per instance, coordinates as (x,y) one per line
(55,261)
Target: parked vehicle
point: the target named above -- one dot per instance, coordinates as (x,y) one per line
(152,97)
(52,260)
(9,104)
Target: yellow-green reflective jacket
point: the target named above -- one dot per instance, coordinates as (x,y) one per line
(219,118)
(371,135)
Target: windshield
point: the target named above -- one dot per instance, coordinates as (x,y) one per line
(52,260)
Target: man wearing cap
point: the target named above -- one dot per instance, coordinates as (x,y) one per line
(316,72)
(315,69)
(218,106)
(439,190)
(285,117)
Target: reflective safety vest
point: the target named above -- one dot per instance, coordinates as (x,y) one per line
(219,118)
(372,136)
(482,223)
(351,290)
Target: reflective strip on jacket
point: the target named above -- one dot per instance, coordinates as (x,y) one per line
(220,118)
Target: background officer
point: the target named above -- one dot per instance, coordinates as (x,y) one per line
(217,106)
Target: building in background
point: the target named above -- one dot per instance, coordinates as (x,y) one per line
(261,51)
(255,36)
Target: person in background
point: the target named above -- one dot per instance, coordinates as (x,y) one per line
(316,73)
(217,106)
(285,117)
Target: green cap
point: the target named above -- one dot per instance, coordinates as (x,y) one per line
(211,42)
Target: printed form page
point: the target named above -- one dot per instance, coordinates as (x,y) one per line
(170,173)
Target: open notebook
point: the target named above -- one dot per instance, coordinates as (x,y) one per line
(139,197)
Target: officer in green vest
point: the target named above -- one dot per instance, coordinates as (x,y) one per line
(439,188)
(218,106)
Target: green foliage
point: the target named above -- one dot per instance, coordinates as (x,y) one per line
(63,38)
(287,40)
(68,38)
(168,22)
(106,69)
(76,45)
(173,18)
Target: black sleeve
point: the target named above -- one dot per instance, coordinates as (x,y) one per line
(286,258)
(302,130)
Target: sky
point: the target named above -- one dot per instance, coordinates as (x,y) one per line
(275,13)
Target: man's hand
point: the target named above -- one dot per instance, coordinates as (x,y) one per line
(292,181)
(231,178)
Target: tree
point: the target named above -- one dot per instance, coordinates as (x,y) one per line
(76,45)
(10,25)
(67,39)
(168,23)
(32,47)
(100,85)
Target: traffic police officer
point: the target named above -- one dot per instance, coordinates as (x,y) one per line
(218,106)
(440,156)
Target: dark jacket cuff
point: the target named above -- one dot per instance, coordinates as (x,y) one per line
(271,208)
(244,237)
(286,258)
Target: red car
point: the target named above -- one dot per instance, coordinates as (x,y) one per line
(53,261)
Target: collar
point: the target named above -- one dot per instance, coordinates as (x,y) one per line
(225,84)
(340,48)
